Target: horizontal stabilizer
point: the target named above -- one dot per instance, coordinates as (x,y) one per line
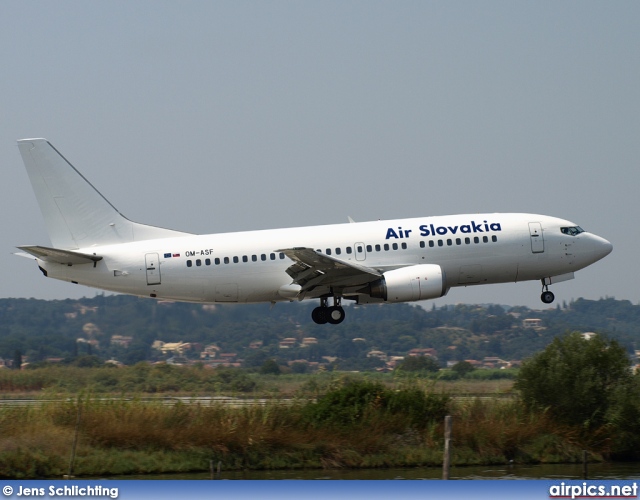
(65,257)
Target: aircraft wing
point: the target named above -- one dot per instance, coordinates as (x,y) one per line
(65,257)
(313,269)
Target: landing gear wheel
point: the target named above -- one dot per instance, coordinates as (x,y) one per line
(335,315)
(320,315)
(547,297)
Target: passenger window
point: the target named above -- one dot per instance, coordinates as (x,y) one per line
(369,248)
(217,261)
(338,251)
(281,255)
(467,241)
(394,246)
(485,239)
(349,250)
(494,238)
(207,262)
(422,245)
(198,262)
(273,256)
(449,242)
(226,260)
(263,257)
(378,248)
(476,239)
(254,258)
(386,247)
(328,252)
(245,258)
(236,260)
(189,263)
(440,243)
(458,241)
(404,246)
(431,243)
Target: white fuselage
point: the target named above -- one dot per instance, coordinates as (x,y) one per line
(471,249)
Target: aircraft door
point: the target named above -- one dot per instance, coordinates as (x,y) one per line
(537,240)
(360,251)
(152,263)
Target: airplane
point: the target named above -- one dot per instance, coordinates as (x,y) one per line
(402,260)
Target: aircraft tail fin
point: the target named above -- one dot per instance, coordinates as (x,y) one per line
(76,214)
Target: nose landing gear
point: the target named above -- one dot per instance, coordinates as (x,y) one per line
(325,314)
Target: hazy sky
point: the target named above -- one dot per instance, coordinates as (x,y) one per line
(209,116)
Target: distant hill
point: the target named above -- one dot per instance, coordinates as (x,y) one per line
(41,330)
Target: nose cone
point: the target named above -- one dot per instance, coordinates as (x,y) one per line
(599,247)
(605,247)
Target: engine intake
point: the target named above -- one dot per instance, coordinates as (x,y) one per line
(421,282)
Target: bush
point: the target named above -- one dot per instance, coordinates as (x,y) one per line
(359,403)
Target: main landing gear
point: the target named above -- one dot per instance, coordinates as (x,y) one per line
(325,314)
(547,297)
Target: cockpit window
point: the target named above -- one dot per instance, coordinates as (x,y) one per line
(572,231)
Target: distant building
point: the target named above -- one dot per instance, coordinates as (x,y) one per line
(171,347)
(86,309)
(90,329)
(495,362)
(394,361)
(533,323)
(287,343)
(424,352)
(92,342)
(210,352)
(121,340)
(377,354)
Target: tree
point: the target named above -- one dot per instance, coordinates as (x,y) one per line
(463,368)
(17,359)
(270,367)
(419,364)
(576,379)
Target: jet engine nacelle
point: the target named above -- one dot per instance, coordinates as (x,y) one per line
(421,282)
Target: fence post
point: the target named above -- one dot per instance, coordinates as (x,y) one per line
(72,459)
(447,447)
